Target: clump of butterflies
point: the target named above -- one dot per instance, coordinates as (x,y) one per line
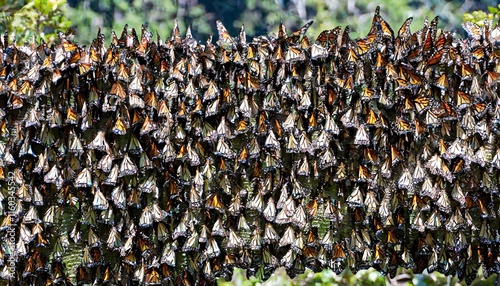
(171,161)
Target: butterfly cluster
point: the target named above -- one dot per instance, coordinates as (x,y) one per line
(175,161)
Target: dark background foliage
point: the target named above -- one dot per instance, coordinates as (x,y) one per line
(44,17)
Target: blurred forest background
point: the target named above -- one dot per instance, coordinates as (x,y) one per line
(44,17)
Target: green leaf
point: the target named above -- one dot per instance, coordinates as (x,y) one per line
(480,281)
(279,278)
(493,10)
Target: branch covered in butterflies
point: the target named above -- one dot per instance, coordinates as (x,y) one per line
(175,161)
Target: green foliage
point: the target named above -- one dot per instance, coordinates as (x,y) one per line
(260,17)
(479,17)
(39,18)
(113,15)
(43,17)
(239,279)
(364,277)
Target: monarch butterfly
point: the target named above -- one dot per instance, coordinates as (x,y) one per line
(422,103)
(367,94)
(294,54)
(327,37)
(176,35)
(442,81)
(83,179)
(295,36)
(474,31)
(404,32)
(362,136)
(492,77)
(463,100)
(224,37)
(364,45)
(380,24)
(111,58)
(69,47)
(403,126)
